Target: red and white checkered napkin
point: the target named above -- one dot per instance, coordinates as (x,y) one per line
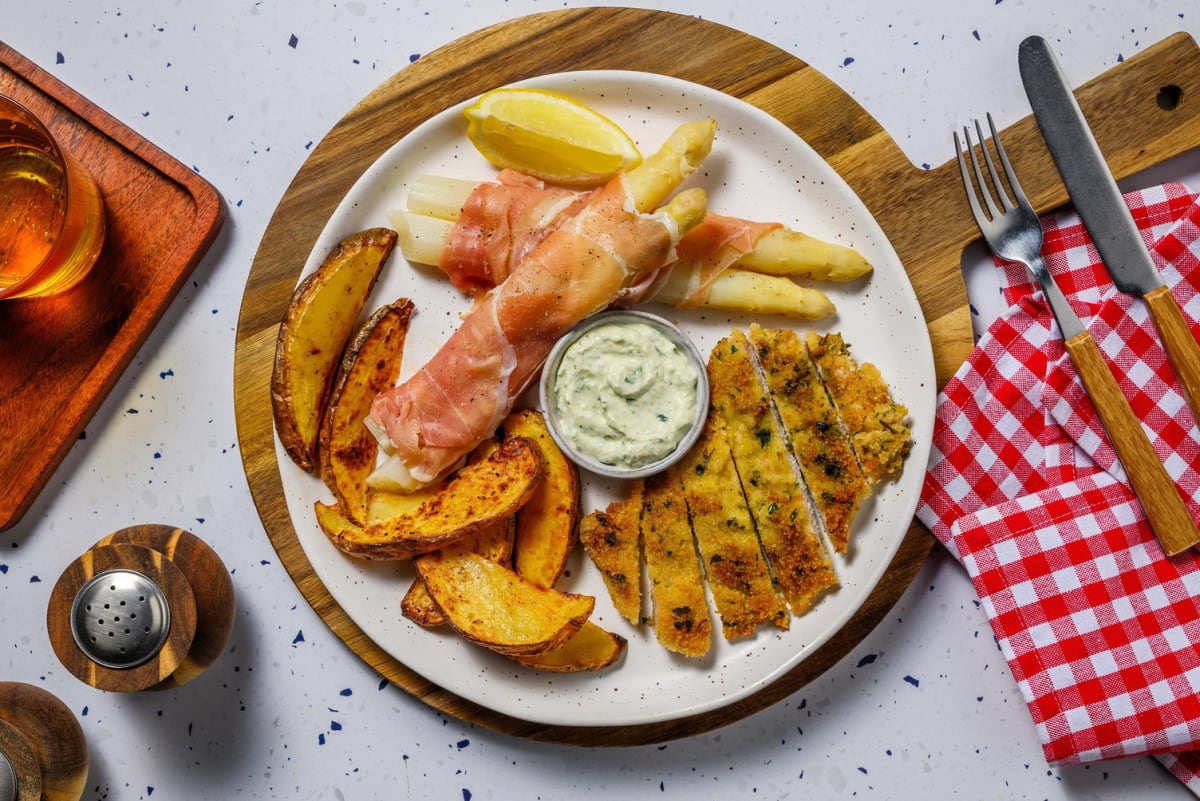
(1100,628)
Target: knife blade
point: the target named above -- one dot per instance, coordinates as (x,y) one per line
(1095,195)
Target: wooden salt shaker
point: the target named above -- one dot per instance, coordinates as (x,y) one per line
(147,607)
(43,754)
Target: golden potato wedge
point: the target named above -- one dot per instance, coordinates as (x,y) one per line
(546,523)
(476,496)
(494,542)
(592,648)
(318,322)
(386,505)
(417,605)
(492,606)
(370,364)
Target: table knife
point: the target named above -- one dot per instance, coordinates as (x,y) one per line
(1095,195)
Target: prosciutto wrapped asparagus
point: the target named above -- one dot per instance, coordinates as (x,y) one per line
(432,420)
(476,232)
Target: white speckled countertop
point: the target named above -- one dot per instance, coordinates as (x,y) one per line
(241,91)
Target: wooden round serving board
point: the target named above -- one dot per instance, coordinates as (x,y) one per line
(922,212)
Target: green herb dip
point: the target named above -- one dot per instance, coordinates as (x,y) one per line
(625,394)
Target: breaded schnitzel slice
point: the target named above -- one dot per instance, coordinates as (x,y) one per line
(681,619)
(815,433)
(876,423)
(774,494)
(611,539)
(737,572)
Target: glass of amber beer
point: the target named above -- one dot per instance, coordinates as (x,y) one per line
(51,211)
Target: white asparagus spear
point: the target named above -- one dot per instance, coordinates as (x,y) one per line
(423,238)
(782,251)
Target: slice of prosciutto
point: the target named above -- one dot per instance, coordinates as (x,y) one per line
(461,395)
(703,254)
(504,220)
(500,223)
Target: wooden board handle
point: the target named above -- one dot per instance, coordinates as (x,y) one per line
(1182,348)
(1169,518)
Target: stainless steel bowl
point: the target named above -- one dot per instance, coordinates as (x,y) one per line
(546,394)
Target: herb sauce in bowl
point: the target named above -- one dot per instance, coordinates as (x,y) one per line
(624,393)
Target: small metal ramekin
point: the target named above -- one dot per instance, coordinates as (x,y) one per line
(550,372)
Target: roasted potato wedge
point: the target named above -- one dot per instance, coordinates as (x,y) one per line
(417,605)
(546,523)
(370,364)
(492,606)
(592,648)
(493,542)
(319,320)
(383,506)
(478,495)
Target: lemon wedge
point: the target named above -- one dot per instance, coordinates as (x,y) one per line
(549,136)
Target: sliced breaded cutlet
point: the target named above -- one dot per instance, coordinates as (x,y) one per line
(876,423)
(611,539)
(737,573)
(776,498)
(815,433)
(681,620)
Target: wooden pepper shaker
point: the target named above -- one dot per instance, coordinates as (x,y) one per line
(147,607)
(43,754)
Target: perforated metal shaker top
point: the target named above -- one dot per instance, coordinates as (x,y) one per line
(120,619)
(8,779)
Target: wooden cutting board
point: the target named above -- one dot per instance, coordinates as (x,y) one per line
(60,356)
(923,212)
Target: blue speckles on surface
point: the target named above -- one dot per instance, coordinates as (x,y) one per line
(914,682)
(226,87)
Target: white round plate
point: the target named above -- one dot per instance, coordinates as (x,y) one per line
(759,169)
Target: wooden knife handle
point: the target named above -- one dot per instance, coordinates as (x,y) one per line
(1182,348)
(1165,510)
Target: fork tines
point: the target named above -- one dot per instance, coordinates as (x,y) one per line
(1000,190)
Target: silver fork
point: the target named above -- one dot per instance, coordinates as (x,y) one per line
(1014,233)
